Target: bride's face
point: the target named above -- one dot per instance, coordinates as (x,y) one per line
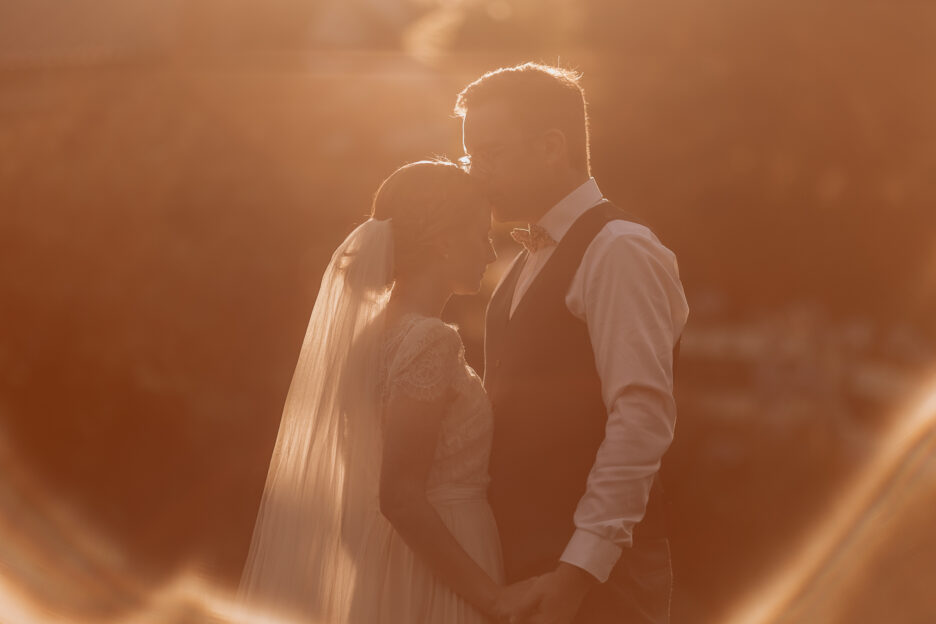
(470,250)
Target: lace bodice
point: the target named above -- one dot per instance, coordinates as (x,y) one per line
(424,359)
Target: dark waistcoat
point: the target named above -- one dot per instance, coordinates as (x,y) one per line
(549,416)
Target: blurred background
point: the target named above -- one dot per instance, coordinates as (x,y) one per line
(174,176)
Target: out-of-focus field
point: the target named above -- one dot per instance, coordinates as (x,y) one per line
(173,179)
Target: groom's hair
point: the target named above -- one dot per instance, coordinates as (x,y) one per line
(544,96)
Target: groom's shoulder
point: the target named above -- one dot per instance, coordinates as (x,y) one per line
(627,230)
(620,223)
(624,239)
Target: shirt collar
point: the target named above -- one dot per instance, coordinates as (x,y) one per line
(560,217)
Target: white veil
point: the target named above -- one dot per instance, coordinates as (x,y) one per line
(323,477)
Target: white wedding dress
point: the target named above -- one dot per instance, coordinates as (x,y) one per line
(423,358)
(321,551)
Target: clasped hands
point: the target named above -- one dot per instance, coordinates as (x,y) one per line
(553,598)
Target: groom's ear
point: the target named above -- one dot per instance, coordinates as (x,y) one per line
(441,247)
(554,146)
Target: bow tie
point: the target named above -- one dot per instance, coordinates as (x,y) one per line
(533,239)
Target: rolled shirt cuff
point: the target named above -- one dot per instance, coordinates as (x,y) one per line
(594,554)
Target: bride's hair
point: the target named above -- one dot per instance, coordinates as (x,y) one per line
(423,201)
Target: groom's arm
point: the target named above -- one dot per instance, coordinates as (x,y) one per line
(628,292)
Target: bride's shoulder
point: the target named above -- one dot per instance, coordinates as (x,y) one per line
(415,335)
(431,331)
(425,358)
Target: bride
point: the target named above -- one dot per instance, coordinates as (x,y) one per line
(375,509)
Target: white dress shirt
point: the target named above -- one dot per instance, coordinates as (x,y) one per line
(628,293)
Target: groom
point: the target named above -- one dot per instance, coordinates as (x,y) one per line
(580,348)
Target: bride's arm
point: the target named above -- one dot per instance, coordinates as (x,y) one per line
(411,431)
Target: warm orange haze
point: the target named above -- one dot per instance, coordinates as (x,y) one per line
(174,177)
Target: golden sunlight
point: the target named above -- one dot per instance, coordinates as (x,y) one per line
(823,576)
(175,177)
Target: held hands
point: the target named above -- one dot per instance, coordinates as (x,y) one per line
(552,598)
(513,602)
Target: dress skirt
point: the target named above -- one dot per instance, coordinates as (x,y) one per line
(396,587)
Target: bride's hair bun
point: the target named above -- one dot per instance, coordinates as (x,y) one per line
(424,200)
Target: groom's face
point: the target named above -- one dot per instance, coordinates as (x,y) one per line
(504,155)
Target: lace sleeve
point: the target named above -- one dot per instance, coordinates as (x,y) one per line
(426,361)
